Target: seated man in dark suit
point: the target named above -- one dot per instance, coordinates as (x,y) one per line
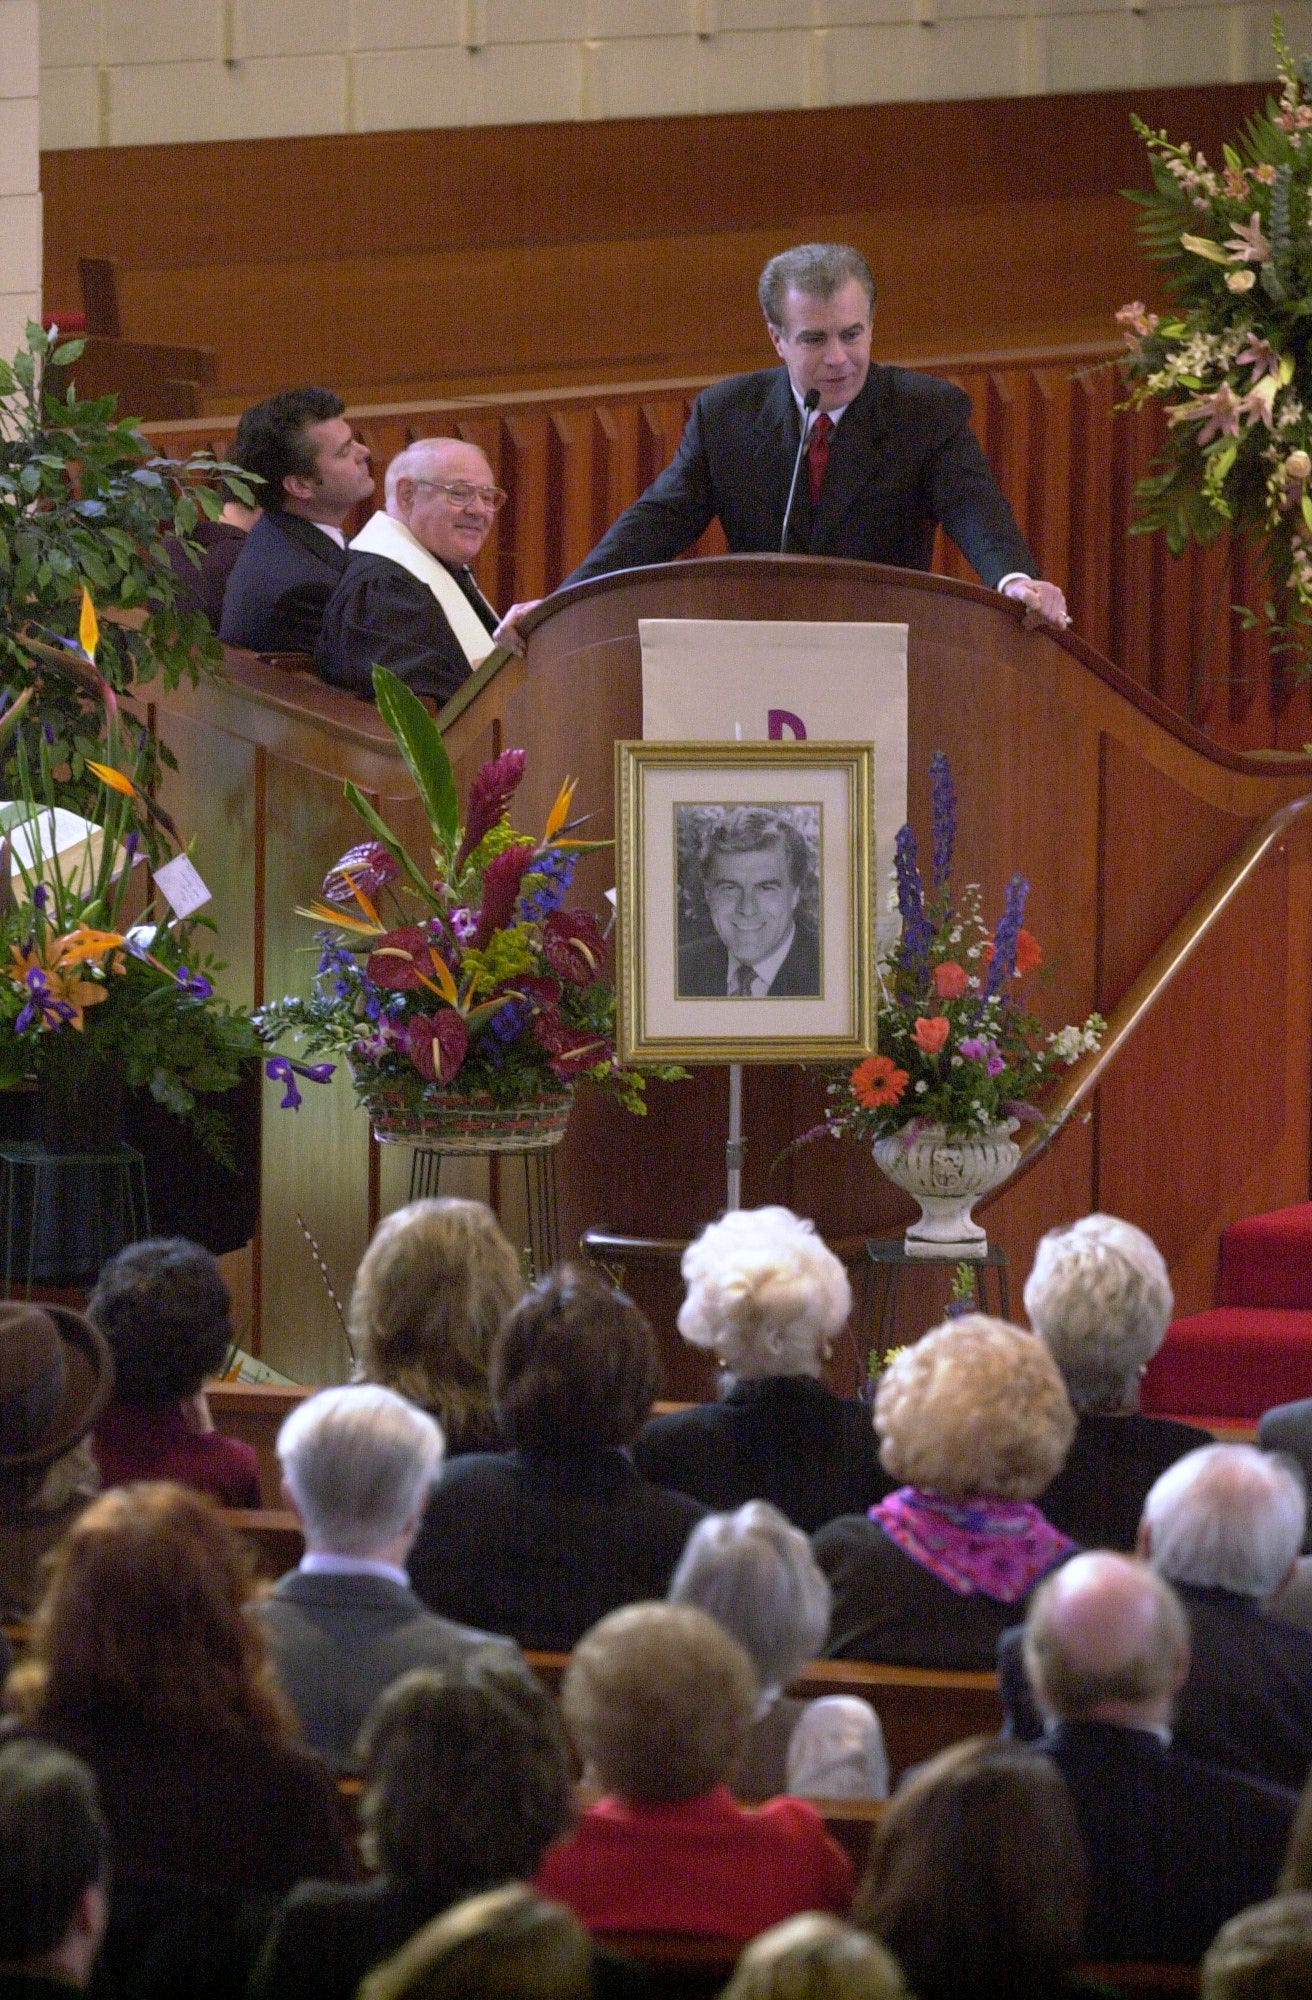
(1175,1845)
(889,453)
(314,471)
(408,600)
(358,1465)
(1223,1527)
(754,868)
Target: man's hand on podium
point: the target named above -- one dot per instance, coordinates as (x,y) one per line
(508,633)
(1046,602)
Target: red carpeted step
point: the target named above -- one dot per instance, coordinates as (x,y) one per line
(1266,1260)
(1233,1362)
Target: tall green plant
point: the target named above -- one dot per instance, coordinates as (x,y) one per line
(85,502)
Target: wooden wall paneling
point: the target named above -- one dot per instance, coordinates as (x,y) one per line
(1006,436)
(523,522)
(569,499)
(1047,469)
(1172,625)
(1132,576)
(1093,532)
(1183,1158)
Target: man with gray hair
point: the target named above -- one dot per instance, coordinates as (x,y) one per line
(1175,1845)
(358,1465)
(829,455)
(408,600)
(1224,1525)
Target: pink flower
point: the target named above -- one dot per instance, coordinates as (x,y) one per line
(1248,243)
(930,1035)
(489,795)
(364,869)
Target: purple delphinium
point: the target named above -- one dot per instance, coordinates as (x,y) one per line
(558,868)
(337,965)
(945,816)
(917,930)
(1004,938)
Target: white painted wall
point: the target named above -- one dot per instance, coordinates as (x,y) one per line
(128,72)
(20,199)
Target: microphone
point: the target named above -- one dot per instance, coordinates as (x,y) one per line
(809,402)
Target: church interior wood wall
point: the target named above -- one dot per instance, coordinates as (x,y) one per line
(404,265)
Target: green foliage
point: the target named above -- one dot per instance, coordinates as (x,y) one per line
(86,502)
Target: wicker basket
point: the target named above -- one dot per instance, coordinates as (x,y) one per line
(464,1122)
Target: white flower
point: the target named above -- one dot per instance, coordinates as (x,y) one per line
(1066,1043)
(1298,465)
(955,1063)
(1240,281)
(921,1087)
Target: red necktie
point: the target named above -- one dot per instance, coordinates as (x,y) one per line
(817,454)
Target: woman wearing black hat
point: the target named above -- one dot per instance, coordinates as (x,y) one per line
(56,1375)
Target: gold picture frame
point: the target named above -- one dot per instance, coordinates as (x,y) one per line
(780,838)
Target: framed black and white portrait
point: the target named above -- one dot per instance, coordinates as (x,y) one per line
(745,919)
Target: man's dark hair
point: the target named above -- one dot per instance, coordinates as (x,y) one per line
(270,439)
(164,1309)
(744,830)
(575,1367)
(466,1777)
(815,269)
(53,1845)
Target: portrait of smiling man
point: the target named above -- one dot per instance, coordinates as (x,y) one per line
(753,865)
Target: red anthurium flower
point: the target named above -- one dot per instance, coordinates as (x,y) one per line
(540,992)
(402,959)
(489,795)
(572,1050)
(501,880)
(931,1034)
(573,945)
(363,871)
(436,1043)
(949,980)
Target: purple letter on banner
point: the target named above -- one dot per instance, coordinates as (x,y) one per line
(783,718)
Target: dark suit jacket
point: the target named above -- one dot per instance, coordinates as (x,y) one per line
(381,616)
(1175,1846)
(704,967)
(902,459)
(1247,1704)
(1098,1495)
(887,1606)
(542,1547)
(338,1641)
(1287,1427)
(783,1438)
(280,583)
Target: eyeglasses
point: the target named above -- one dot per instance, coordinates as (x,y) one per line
(461,494)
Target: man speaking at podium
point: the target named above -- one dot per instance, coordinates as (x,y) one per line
(828,455)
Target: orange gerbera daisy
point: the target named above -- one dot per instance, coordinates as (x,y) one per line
(878,1081)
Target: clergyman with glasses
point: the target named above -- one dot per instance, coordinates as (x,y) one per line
(408,600)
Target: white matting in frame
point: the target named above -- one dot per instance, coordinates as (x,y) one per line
(668,794)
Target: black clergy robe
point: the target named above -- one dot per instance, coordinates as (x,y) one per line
(381,616)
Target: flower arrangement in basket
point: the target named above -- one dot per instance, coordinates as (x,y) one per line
(957,1048)
(90,1000)
(465,997)
(1232,357)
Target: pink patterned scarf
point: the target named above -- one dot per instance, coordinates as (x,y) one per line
(993,1548)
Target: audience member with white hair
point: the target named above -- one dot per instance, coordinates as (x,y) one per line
(768,1299)
(1099,1297)
(407,599)
(813,1957)
(1265,1953)
(756,1575)
(358,1464)
(1224,1526)
(975,1420)
(1175,1844)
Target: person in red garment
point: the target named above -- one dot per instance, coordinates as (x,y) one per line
(659,1700)
(164,1309)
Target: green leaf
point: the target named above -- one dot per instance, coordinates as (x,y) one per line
(68,350)
(420,742)
(382,831)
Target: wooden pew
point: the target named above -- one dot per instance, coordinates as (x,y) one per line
(254,1412)
(272,1534)
(922,1709)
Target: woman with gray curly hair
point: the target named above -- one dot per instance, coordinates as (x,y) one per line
(976,1421)
(768,1299)
(1099,1297)
(755,1574)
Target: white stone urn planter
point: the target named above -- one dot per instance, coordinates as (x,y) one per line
(947,1175)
